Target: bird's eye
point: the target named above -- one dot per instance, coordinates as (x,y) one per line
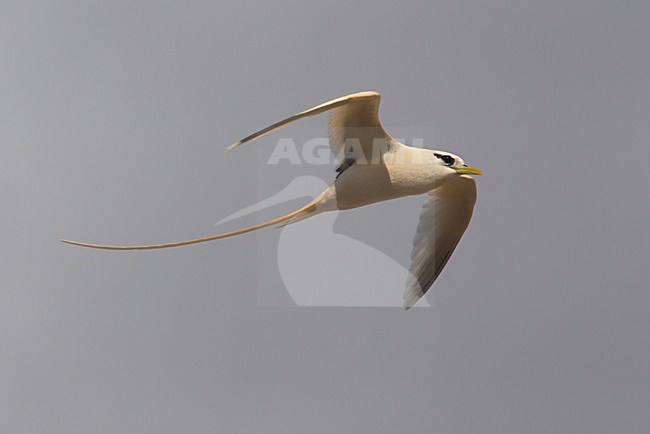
(447,159)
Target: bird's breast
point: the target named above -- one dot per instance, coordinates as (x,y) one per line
(364,184)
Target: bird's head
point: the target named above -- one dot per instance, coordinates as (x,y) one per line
(453,164)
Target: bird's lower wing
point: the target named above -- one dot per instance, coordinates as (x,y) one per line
(444,217)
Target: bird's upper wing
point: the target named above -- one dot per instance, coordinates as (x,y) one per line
(354,121)
(443,220)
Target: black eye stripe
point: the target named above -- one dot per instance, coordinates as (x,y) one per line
(447,159)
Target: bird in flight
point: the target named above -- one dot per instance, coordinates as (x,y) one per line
(374,167)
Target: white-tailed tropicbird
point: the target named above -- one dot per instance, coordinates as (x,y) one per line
(374,167)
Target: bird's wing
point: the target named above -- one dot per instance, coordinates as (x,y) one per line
(443,220)
(353,126)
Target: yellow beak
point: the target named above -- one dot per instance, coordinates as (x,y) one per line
(468,170)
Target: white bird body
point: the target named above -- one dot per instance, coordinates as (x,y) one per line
(374,167)
(363,184)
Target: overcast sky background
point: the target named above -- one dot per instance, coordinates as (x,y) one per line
(113,118)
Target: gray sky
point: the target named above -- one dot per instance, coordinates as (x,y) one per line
(112,124)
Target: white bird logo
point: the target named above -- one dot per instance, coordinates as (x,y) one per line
(374,167)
